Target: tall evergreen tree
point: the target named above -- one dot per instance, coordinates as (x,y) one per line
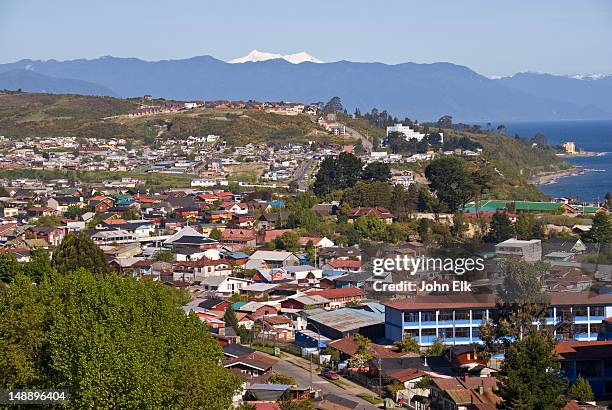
(449,178)
(531,376)
(76,251)
(501,227)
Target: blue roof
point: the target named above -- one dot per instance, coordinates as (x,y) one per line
(238,255)
(238,305)
(124,202)
(276,203)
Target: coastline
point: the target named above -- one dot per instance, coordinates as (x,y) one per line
(550,177)
(581,154)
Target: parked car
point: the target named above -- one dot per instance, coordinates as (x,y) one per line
(329,374)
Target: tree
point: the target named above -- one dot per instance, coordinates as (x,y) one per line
(531,376)
(113,342)
(215,234)
(9,267)
(48,221)
(601,230)
(337,173)
(230,319)
(369,194)
(362,356)
(449,178)
(163,256)
(408,344)
(540,139)
(75,212)
(288,241)
(376,171)
(279,378)
(333,106)
(581,391)
(524,226)
(333,353)
(76,251)
(437,348)
(38,266)
(460,225)
(521,294)
(501,227)
(446,121)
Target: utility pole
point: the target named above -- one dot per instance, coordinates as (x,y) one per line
(310,361)
(379,376)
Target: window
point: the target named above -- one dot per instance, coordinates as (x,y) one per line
(475,332)
(462,315)
(597,311)
(596,328)
(445,315)
(580,311)
(462,332)
(578,329)
(479,314)
(411,316)
(428,316)
(411,332)
(428,332)
(445,333)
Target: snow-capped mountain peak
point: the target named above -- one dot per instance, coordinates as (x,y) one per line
(256,55)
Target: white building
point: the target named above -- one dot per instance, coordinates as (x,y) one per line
(406,130)
(530,251)
(224,285)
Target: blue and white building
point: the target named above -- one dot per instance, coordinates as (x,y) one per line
(456,319)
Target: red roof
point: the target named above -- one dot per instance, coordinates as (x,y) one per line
(337,293)
(238,235)
(345,263)
(443,302)
(584,350)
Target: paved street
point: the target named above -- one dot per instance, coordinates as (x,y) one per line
(300,174)
(367,144)
(289,366)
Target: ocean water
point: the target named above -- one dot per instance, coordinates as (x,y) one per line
(593,136)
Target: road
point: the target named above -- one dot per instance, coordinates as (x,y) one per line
(300,173)
(367,144)
(301,374)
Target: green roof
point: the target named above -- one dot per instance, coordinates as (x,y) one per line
(495,205)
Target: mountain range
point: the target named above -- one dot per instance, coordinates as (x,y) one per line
(420,91)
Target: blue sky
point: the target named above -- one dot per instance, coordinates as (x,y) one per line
(493,37)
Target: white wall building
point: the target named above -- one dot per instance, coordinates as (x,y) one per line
(406,130)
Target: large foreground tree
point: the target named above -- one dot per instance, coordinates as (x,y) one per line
(113,342)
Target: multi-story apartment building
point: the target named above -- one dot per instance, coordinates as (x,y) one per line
(456,319)
(530,251)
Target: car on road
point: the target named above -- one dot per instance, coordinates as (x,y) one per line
(329,374)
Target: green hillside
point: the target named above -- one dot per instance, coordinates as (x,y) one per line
(49,115)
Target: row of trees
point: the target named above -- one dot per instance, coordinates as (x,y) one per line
(454,181)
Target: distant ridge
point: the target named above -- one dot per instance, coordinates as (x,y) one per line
(423,92)
(30,81)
